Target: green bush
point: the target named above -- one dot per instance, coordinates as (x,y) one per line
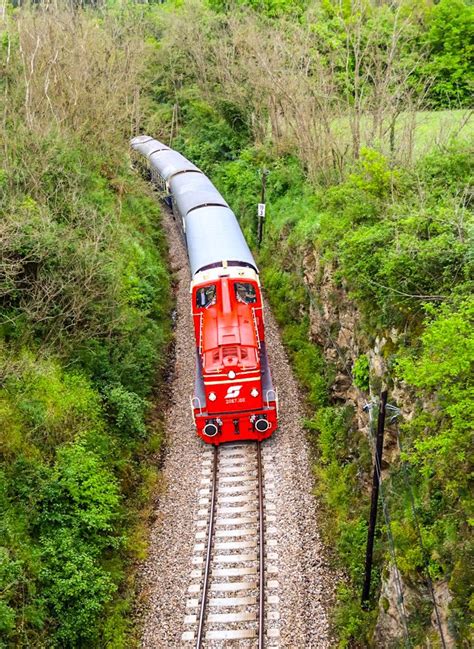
(343,458)
(442,372)
(79,514)
(271,8)
(10,574)
(394,256)
(437,448)
(361,372)
(74,588)
(353,623)
(214,138)
(46,406)
(127,410)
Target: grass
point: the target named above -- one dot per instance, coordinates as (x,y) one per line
(438,127)
(432,128)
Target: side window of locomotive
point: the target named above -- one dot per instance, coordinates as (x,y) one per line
(206,296)
(245,292)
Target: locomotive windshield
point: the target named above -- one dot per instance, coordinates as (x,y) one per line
(206,296)
(245,292)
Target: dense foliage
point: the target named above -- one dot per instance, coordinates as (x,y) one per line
(84,331)
(85,304)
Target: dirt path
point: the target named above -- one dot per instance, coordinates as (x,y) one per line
(304,580)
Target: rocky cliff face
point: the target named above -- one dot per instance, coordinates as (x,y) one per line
(336,326)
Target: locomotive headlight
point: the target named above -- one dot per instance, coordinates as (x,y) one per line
(212,396)
(254,392)
(231,374)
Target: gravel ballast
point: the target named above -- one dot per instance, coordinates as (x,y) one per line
(305,583)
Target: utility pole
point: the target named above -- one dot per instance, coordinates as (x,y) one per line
(374,500)
(261,207)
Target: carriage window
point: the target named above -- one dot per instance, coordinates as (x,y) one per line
(206,296)
(245,292)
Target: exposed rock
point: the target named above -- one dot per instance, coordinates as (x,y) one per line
(377,362)
(341,386)
(394,602)
(399,600)
(443,599)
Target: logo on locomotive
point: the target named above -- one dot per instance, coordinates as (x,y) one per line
(233,392)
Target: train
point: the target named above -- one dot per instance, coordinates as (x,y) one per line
(234,398)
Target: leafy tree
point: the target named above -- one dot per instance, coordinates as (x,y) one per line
(271,8)
(443,373)
(450,41)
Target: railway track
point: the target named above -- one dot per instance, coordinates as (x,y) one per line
(233,595)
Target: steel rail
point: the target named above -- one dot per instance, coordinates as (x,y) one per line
(210,536)
(261,603)
(210,540)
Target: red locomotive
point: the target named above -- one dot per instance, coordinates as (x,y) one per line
(234,398)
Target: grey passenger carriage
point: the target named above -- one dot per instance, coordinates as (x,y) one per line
(212,232)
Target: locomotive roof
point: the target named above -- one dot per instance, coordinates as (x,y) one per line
(213,234)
